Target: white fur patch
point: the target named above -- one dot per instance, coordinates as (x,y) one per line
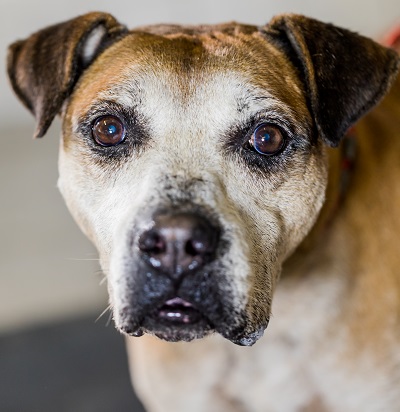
(92,44)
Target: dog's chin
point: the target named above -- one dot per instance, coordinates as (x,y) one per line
(174,321)
(173,332)
(178,320)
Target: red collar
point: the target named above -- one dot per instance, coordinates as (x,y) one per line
(392,39)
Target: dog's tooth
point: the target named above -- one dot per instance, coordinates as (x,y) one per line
(174,315)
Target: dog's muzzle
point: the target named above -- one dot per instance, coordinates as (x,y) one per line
(179,288)
(177,246)
(172,296)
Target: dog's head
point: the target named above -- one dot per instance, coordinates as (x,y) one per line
(194,157)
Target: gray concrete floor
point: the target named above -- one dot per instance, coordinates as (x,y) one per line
(74,366)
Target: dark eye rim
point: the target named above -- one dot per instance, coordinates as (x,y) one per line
(97,141)
(249,145)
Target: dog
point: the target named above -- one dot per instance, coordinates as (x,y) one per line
(202,163)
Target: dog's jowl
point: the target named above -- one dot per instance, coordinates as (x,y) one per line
(200,162)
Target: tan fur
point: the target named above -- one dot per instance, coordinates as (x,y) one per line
(371,219)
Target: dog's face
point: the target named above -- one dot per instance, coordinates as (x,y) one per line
(194,159)
(188,110)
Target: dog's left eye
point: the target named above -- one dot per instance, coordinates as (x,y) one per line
(267,139)
(108,130)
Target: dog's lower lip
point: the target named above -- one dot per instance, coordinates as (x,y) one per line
(178,311)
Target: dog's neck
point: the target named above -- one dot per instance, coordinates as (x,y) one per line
(356,228)
(341,164)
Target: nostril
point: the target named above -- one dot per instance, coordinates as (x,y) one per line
(152,243)
(195,247)
(190,248)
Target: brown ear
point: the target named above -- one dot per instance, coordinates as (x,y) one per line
(345,74)
(44,68)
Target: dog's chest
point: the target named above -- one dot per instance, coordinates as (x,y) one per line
(283,372)
(305,362)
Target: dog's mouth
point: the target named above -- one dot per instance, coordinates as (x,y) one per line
(174,320)
(179,320)
(194,310)
(177,311)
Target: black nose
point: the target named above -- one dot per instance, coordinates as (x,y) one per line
(179,243)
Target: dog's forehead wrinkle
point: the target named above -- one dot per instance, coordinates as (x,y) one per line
(208,30)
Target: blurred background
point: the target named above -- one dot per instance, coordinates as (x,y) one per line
(53,353)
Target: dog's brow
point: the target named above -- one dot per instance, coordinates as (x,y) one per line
(270,109)
(105,107)
(244,102)
(128,93)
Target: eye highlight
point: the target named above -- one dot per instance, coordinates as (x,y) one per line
(267,139)
(108,131)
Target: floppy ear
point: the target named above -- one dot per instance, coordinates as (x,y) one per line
(45,67)
(344,74)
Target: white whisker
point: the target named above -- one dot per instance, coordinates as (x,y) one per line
(103,313)
(109,317)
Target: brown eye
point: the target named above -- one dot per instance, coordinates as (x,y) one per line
(108,131)
(267,139)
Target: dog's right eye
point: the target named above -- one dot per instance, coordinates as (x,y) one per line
(108,130)
(267,139)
